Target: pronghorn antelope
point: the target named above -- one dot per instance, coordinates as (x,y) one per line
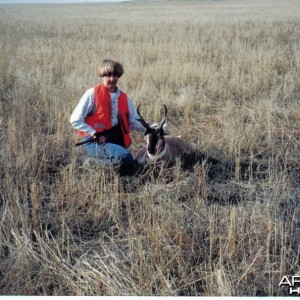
(161,146)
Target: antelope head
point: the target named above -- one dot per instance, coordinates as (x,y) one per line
(156,145)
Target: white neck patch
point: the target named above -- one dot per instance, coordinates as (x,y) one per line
(159,155)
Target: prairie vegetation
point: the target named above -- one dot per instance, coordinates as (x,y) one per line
(229,226)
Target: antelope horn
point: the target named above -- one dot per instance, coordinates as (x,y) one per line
(144,123)
(165,117)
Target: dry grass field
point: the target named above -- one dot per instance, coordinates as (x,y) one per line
(227,226)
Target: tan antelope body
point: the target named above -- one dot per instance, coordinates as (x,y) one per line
(161,147)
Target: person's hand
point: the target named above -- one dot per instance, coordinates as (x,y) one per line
(99,138)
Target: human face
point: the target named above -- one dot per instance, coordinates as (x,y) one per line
(110,80)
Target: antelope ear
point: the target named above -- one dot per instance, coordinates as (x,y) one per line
(165,128)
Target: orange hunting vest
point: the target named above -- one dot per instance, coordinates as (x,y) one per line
(100,120)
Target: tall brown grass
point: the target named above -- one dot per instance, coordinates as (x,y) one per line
(229,73)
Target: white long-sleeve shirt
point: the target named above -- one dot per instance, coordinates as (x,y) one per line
(86,106)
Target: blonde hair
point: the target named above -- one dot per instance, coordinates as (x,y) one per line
(109,67)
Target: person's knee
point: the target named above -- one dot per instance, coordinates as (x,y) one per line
(113,154)
(120,154)
(91,150)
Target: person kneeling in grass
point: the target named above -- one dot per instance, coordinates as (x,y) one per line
(104,117)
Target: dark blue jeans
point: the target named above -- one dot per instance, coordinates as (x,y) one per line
(110,154)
